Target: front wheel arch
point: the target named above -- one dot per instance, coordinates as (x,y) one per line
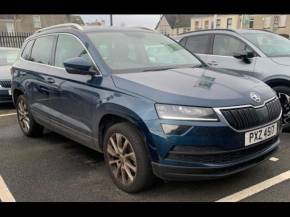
(284,98)
(16,94)
(111,118)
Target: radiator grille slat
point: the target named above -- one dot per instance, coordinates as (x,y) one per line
(245,118)
(5,83)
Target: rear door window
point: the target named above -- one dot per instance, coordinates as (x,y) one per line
(199,43)
(42,50)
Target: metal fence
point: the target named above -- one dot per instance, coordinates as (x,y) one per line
(13,39)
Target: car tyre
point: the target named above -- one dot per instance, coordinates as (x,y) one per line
(283,92)
(25,119)
(134,172)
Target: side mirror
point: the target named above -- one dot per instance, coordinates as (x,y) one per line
(79,65)
(244,56)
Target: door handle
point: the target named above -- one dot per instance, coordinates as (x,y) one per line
(50,80)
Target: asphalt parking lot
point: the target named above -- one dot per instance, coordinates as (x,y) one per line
(53,168)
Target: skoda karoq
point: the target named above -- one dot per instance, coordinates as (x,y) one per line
(149,105)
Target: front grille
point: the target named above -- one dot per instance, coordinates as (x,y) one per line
(222,156)
(249,117)
(5,84)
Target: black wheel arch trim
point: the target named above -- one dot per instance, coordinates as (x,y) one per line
(127,114)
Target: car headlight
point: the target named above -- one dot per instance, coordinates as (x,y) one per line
(177,112)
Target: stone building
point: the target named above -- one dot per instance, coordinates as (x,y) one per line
(31,23)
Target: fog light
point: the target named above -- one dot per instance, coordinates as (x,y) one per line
(171,129)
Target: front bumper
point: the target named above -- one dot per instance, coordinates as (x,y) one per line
(217,169)
(5,97)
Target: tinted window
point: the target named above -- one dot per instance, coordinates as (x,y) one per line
(68,47)
(225,45)
(26,52)
(198,44)
(41,51)
(182,42)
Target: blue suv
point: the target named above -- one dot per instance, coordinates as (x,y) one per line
(152,107)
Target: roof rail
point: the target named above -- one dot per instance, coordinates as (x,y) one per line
(72,25)
(204,30)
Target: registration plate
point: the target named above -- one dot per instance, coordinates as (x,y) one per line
(261,134)
(9,92)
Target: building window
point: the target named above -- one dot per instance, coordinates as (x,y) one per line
(276,22)
(267,22)
(36,21)
(206,24)
(251,23)
(196,25)
(282,21)
(229,23)
(218,23)
(10,27)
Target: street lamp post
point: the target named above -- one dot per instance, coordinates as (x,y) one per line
(111,19)
(214,21)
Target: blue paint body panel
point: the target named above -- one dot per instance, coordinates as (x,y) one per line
(74,105)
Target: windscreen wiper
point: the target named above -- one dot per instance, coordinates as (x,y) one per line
(157,69)
(198,66)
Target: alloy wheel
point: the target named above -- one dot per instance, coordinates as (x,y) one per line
(23,116)
(121,158)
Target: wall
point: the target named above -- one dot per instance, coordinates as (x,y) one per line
(259,21)
(223,23)
(236,20)
(201,22)
(24,23)
(163,27)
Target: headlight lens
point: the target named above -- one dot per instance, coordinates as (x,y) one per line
(177,112)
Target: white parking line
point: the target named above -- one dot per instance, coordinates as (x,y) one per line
(256,188)
(5,194)
(9,114)
(274,159)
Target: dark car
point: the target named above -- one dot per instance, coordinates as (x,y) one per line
(7,58)
(144,101)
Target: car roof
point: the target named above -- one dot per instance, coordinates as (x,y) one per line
(252,30)
(86,28)
(70,28)
(232,31)
(115,29)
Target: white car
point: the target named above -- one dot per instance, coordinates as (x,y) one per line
(7,58)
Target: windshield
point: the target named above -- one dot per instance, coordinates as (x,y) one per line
(133,51)
(8,57)
(271,44)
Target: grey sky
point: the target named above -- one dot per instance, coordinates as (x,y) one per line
(149,21)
